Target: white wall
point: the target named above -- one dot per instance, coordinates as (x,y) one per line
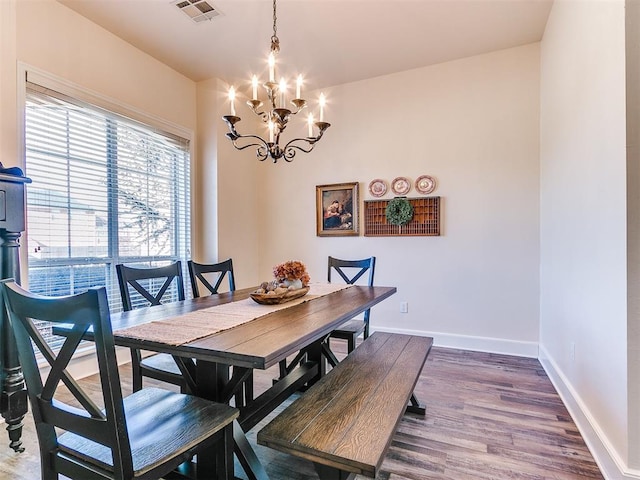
(240,208)
(583,315)
(8,100)
(472,124)
(61,42)
(632,35)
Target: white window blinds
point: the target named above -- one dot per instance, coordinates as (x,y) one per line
(106,190)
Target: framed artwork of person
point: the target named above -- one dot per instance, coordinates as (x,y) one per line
(337,210)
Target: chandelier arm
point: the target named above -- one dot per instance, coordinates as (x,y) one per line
(262,147)
(290,148)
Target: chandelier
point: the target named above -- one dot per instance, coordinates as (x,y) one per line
(276,114)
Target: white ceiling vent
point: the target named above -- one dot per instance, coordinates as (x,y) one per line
(197,10)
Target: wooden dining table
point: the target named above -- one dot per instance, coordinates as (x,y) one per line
(217,366)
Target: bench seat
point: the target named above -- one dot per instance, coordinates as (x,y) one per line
(344,423)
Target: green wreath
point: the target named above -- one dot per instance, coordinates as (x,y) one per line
(399,211)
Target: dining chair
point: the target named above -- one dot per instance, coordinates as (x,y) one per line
(351,271)
(103,435)
(211,275)
(200,273)
(150,285)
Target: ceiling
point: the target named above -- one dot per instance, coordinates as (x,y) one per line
(329,41)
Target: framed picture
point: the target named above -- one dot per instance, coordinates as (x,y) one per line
(337,210)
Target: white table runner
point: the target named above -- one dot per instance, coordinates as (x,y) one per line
(202,323)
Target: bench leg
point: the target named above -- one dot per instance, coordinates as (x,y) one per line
(330,473)
(416,406)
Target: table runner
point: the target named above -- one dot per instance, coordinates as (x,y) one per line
(202,323)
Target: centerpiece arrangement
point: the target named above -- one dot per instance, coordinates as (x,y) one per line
(290,281)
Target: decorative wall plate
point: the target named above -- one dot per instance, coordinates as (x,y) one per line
(425,184)
(377,187)
(401,185)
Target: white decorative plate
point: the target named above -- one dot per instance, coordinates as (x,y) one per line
(377,187)
(400,185)
(425,184)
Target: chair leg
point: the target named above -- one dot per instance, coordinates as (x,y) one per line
(351,343)
(136,358)
(283,369)
(329,355)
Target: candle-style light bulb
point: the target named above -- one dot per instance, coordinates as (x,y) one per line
(272,67)
(254,85)
(283,88)
(271,127)
(310,121)
(232,98)
(323,101)
(298,86)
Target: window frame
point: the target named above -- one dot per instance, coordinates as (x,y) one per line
(167,129)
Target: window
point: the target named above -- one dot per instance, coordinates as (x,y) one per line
(106,190)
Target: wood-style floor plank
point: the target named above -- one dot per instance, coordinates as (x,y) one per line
(489,417)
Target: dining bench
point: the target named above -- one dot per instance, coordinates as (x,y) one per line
(345,422)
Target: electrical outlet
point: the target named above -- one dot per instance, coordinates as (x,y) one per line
(404,307)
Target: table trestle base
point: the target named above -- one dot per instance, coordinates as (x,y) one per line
(265,403)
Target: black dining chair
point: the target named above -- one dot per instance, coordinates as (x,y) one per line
(351,271)
(150,286)
(104,435)
(211,276)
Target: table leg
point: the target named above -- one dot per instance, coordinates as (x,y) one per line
(315,354)
(212,378)
(210,381)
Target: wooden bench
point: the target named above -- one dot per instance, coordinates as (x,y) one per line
(344,423)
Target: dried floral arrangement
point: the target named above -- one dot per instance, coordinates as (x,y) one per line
(289,276)
(291,270)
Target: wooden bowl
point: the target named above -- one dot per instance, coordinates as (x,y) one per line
(276,299)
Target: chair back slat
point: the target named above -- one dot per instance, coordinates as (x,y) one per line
(107,425)
(130,276)
(356,269)
(59,363)
(351,271)
(197,273)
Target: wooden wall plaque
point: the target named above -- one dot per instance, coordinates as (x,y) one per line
(425,221)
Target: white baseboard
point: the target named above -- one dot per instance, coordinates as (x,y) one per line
(479,344)
(610,463)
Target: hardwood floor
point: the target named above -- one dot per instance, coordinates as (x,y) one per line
(488,417)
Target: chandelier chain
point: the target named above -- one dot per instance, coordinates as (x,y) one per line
(275,41)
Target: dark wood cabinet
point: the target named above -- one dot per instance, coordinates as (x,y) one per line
(13,397)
